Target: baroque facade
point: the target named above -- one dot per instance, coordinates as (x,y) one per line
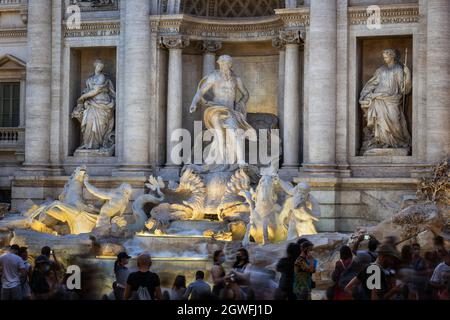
(305,63)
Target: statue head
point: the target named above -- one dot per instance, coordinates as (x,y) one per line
(98,65)
(265,191)
(304,187)
(390,56)
(301,193)
(79,174)
(225,62)
(126,189)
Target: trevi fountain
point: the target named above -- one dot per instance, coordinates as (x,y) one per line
(107,155)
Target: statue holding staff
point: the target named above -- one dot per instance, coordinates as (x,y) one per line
(382,101)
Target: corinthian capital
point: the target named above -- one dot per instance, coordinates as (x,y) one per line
(209,46)
(278,43)
(291,36)
(174,42)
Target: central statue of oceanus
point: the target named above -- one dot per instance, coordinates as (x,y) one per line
(225,114)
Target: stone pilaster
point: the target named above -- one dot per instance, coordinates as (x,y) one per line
(56,152)
(278,43)
(136,99)
(38,88)
(209,49)
(322,88)
(175,44)
(438,84)
(291,39)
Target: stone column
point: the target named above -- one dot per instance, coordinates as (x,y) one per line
(209,49)
(136,99)
(291,113)
(175,44)
(277,43)
(38,85)
(322,87)
(438,85)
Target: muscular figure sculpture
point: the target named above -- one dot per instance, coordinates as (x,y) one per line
(70,209)
(225,113)
(300,210)
(116,201)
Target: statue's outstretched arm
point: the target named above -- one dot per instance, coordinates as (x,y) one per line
(205,85)
(96,192)
(287,187)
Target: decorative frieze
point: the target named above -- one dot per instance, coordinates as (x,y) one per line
(97,29)
(13,33)
(388,14)
(200,28)
(294,18)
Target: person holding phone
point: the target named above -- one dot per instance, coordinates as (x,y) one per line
(372,245)
(304,267)
(48,253)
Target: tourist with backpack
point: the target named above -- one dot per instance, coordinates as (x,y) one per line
(143,284)
(344,271)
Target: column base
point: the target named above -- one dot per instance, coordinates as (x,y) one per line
(137,170)
(319,169)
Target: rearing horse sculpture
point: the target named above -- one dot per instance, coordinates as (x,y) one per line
(264,225)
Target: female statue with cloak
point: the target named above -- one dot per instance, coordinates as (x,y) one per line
(95,111)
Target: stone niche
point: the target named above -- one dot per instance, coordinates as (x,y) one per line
(256,63)
(369,60)
(81,68)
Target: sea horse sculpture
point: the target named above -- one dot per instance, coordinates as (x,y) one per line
(183,201)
